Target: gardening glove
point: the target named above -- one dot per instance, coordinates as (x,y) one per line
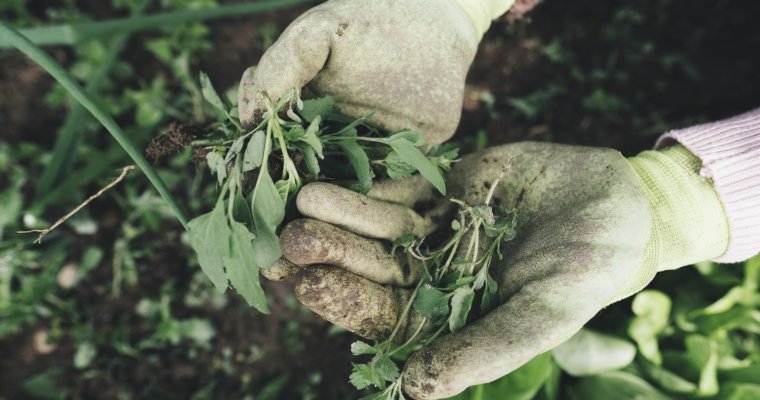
(404,60)
(592,228)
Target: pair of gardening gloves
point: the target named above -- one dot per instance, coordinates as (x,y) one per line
(592,226)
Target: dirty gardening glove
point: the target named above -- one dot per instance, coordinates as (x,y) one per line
(592,228)
(404,59)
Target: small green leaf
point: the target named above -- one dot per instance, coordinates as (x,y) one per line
(359,348)
(267,204)
(652,309)
(358,159)
(210,237)
(461,303)
(431,302)
(616,385)
(309,158)
(86,352)
(268,212)
(403,242)
(521,384)
(254,153)
(317,107)
(410,154)
(364,376)
(210,94)
(396,167)
(242,268)
(311,137)
(217,165)
(385,368)
(591,353)
(234,149)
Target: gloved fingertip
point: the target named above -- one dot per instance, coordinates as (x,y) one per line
(424,376)
(296,243)
(280,270)
(347,300)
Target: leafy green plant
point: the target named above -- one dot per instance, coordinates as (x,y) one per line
(454,274)
(239,236)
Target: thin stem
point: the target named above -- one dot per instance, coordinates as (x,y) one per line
(404,314)
(53,68)
(411,338)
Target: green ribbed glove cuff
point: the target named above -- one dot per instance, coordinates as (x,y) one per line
(689,223)
(482,12)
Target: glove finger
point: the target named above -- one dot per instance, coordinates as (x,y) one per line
(407,192)
(309,241)
(289,64)
(540,316)
(360,214)
(282,269)
(359,305)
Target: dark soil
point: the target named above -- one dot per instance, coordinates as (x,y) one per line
(662,64)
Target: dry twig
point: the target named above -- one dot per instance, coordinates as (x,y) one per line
(43,232)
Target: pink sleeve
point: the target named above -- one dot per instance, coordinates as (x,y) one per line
(730,154)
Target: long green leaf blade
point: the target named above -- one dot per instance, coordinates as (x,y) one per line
(53,68)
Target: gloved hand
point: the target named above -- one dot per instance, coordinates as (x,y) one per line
(405,59)
(593,228)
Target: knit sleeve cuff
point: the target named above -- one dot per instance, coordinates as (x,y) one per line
(730,155)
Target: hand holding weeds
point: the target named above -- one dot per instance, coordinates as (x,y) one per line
(590,228)
(406,60)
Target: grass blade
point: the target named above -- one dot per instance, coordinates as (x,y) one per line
(64,151)
(53,68)
(69,34)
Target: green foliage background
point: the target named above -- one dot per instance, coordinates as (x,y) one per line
(113,304)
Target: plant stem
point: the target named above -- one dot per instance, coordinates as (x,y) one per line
(53,68)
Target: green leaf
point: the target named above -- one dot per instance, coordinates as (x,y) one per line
(312,139)
(364,376)
(242,268)
(268,212)
(86,352)
(410,154)
(385,368)
(267,204)
(668,380)
(521,384)
(591,353)
(309,158)
(217,165)
(461,303)
(359,348)
(210,94)
(210,237)
(396,167)
(703,354)
(410,135)
(404,242)
(241,211)
(741,391)
(45,385)
(359,161)
(616,385)
(431,302)
(317,107)
(652,309)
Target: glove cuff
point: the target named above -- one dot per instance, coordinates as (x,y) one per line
(689,222)
(482,12)
(730,154)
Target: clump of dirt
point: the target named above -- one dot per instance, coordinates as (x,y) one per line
(172,141)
